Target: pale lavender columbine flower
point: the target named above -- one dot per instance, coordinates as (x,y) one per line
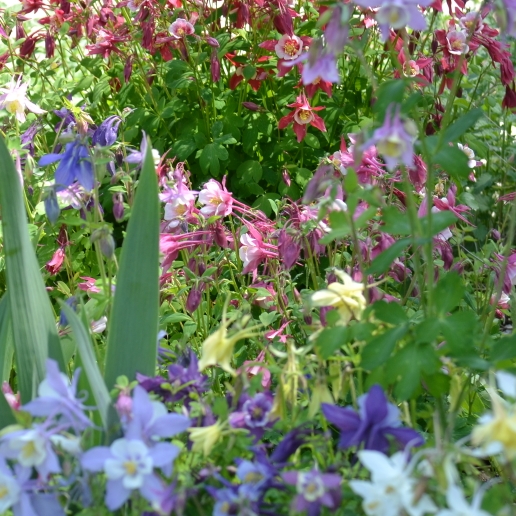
(32,448)
(129,465)
(14,100)
(314,490)
(394,139)
(19,496)
(256,477)
(57,396)
(396,14)
(375,420)
(508,18)
(232,500)
(150,419)
(75,164)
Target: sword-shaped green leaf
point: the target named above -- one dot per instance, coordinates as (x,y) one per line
(33,324)
(133,323)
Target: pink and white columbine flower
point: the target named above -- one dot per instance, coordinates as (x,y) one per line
(472,21)
(456,41)
(179,203)
(216,199)
(289,47)
(14,100)
(181,28)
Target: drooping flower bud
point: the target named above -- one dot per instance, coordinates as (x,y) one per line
(106,242)
(194,299)
(52,206)
(118,206)
(215,67)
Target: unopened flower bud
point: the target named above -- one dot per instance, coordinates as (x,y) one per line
(118,206)
(50,45)
(106,242)
(124,406)
(194,299)
(212,42)
(52,206)
(251,106)
(215,67)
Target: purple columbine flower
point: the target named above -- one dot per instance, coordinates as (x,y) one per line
(257,476)
(394,139)
(186,381)
(289,444)
(254,414)
(314,490)
(375,420)
(58,397)
(75,164)
(129,465)
(106,133)
(52,208)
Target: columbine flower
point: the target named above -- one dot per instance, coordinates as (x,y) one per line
(216,199)
(375,420)
(204,438)
(392,490)
(217,349)
(456,41)
(289,47)
(58,397)
(14,100)
(75,164)
(106,133)
(181,28)
(255,413)
(10,490)
(397,14)
(394,139)
(314,490)
(458,506)
(347,297)
(302,115)
(496,431)
(31,448)
(128,465)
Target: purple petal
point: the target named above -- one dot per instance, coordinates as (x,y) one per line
(163,454)
(345,419)
(169,425)
(116,494)
(47,159)
(375,405)
(290,477)
(95,458)
(406,435)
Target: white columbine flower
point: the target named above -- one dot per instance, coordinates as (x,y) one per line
(458,506)
(391,490)
(15,101)
(29,448)
(9,492)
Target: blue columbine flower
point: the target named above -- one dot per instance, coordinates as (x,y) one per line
(75,164)
(375,420)
(106,133)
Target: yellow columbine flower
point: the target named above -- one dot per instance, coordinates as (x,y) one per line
(497,431)
(347,297)
(204,438)
(217,349)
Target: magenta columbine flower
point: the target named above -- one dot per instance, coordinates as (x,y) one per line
(396,14)
(181,28)
(394,139)
(14,100)
(375,420)
(314,490)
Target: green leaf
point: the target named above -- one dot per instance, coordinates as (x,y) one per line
(330,340)
(249,171)
(312,141)
(249,72)
(6,340)
(133,325)
(33,323)
(395,222)
(504,349)
(460,126)
(95,385)
(383,261)
(184,147)
(449,292)
(453,161)
(210,156)
(389,92)
(391,313)
(440,221)
(379,349)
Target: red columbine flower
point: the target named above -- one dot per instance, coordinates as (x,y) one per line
(302,116)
